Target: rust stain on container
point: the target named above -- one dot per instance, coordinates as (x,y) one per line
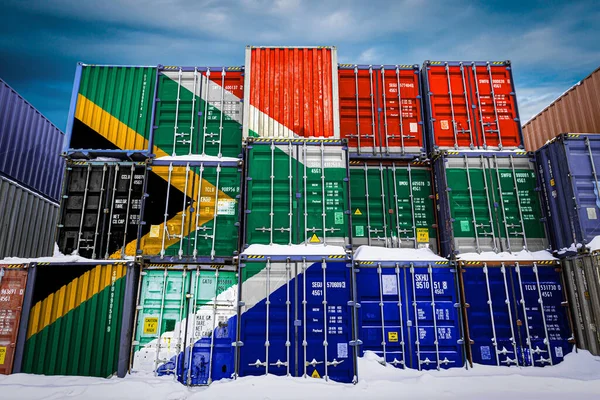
(576,111)
(291,92)
(13,278)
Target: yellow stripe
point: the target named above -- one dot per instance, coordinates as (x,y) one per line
(70,296)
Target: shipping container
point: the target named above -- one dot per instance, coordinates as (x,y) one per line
(393,204)
(79,320)
(409,313)
(296,192)
(583,288)
(515,312)
(296,319)
(291,92)
(480,208)
(100,210)
(186,322)
(471,105)
(30,145)
(111,111)
(576,110)
(199,111)
(568,167)
(191,212)
(27,222)
(13,278)
(381,110)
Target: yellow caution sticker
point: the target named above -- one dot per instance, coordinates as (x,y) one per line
(392,336)
(150,325)
(552,183)
(315,374)
(357,212)
(154,231)
(422,235)
(315,239)
(2,355)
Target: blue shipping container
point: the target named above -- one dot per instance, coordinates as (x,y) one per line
(30,145)
(409,314)
(296,320)
(568,168)
(515,314)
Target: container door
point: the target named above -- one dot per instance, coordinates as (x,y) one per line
(451,123)
(296,321)
(400,119)
(12,290)
(358,109)
(495,108)
(544,332)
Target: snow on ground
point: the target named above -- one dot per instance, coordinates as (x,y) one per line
(523,255)
(294,249)
(372,253)
(594,244)
(57,257)
(196,157)
(578,377)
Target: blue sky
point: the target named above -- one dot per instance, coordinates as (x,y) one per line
(552,44)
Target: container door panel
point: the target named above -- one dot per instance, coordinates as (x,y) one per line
(12,291)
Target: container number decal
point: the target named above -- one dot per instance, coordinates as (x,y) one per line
(150,325)
(392,336)
(339,218)
(226,207)
(2,354)
(422,235)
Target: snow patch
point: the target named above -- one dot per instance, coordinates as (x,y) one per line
(197,157)
(523,255)
(57,257)
(372,253)
(294,249)
(594,244)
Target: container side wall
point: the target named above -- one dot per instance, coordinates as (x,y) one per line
(13,279)
(30,145)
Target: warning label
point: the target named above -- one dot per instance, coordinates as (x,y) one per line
(314,239)
(315,374)
(155,231)
(392,336)
(422,235)
(2,354)
(226,207)
(357,212)
(338,218)
(150,325)
(444,124)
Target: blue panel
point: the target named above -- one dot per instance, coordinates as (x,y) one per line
(502,291)
(330,323)
(396,317)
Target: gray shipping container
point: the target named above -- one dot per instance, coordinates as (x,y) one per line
(27,222)
(583,289)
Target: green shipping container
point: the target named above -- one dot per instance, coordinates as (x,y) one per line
(489,202)
(190,212)
(199,111)
(76,319)
(296,192)
(393,204)
(111,108)
(185,310)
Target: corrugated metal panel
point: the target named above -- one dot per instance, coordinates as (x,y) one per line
(100,211)
(315,343)
(186,323)
(112,108)
(199,111)
(393,204)
(291,92)
(30,145)
(76,318)
(27,222)
(576,110)
(568,167)
(480,208)
(381,109)
(516,314)
(409,315)
(13,278)
(191,211)
(296,193)
(583,289)
(471,105)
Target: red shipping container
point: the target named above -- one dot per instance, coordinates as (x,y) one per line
(12,291)
(291,92)
(381,110)
(471,105)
